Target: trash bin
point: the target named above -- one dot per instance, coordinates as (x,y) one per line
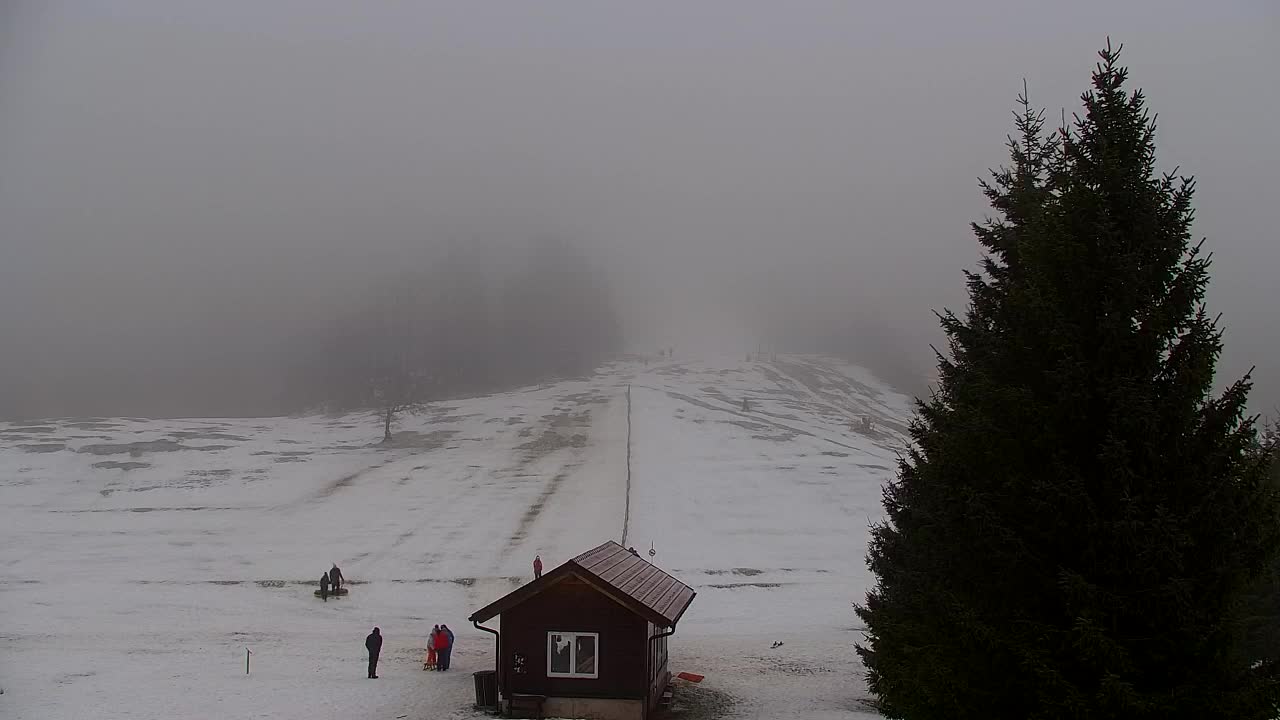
(486,689)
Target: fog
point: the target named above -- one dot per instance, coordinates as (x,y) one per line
(196,197)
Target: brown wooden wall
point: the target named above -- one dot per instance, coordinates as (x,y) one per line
(658,675)
(574,606)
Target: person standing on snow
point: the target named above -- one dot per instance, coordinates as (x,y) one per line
(430,662)
(335,577)
(324,587)
(373,643)
(537,566)
(444,646)
(449,634)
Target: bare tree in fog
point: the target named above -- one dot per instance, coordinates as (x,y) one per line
(395,392)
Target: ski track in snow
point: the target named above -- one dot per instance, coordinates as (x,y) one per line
(133,588)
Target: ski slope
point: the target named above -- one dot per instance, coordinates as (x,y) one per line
(140,559)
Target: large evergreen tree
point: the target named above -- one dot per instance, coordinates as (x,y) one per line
(1076,524)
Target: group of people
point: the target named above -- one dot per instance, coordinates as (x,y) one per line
(331,582)
(439,644)
(439,649)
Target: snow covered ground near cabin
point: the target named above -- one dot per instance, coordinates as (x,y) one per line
(139,559)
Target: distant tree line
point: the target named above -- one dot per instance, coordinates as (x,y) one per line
(464,324)
(478,317)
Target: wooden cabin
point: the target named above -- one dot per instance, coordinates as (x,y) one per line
(589,638)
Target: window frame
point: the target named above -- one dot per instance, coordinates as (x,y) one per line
(573,655)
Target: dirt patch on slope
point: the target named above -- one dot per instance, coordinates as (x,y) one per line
(116,465)
(93,425)
(558,431)
(198,435)
(43,447)
(531,515)
(745,425)
(417,440)
(345,481)
(551,441)
(134,448)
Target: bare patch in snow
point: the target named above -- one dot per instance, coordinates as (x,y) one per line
(418,440)
(205,435)
(136,449)
(531,515)
(734,586)
(746,425)
(586,398)
(778,436)
(551,441)
(92,425)
(43,447)
(749,572)
(117,465)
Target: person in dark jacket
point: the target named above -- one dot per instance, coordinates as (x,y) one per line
(335,578)
(374,645)
(448,656)
(324,587)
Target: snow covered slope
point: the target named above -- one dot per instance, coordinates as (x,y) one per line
(140,559)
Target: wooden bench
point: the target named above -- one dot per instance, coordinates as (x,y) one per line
(526,703)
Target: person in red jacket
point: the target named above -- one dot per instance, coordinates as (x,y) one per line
(537,566)
(444,646)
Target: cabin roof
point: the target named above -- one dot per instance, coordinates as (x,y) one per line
(615,571)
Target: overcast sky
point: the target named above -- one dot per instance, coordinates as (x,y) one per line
(165,164)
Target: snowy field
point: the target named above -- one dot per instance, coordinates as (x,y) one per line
(140,559)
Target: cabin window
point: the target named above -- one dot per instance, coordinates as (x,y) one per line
(573,655)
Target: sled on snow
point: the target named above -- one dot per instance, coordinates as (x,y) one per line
(339,591)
